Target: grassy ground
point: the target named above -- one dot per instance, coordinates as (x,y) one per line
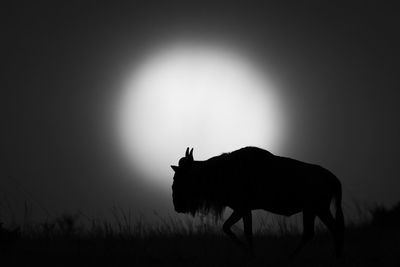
(64,242)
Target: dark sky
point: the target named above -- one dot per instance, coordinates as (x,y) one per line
(336,64)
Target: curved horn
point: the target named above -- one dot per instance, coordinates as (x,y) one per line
(191,154)
(187,152)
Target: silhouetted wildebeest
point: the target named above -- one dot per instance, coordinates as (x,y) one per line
(252,178)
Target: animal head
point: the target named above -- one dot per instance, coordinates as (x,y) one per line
(183,186)
(194,189)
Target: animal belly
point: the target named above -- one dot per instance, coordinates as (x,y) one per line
(284,202)
(282,209)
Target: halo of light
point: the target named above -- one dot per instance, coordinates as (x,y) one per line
(208,97)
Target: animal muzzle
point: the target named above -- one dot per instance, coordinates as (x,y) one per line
(179,210)
(178,206)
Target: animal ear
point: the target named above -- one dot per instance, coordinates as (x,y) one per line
(191,154)
(175,168)
(187,152)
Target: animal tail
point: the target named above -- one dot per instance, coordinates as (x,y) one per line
(339,220)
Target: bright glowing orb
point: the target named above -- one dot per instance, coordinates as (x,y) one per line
(209,98)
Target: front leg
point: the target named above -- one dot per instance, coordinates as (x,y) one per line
(234,218)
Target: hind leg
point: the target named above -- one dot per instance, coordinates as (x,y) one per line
(308,231)
(234,218)
(327,218)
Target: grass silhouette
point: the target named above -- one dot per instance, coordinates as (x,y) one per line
(66,241)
